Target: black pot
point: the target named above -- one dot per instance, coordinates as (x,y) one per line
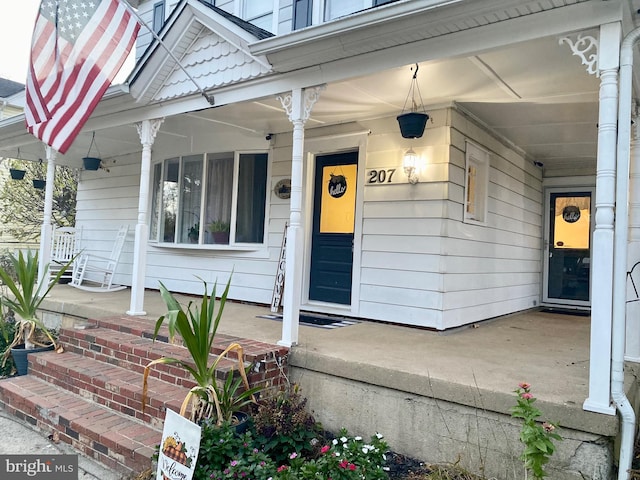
(17,174)
(19,354)
(412,124)
(39,184)
(91,163)
(240,422)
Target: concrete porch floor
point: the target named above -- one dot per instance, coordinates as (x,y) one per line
(478,366)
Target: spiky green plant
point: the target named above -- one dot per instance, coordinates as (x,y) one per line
(197,326)
(27,293)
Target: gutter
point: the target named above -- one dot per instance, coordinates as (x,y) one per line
(621,234)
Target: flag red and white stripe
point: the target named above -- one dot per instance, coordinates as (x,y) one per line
(78,47)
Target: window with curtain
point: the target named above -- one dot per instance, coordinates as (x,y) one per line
(302,13)
(476,184)
(210,199)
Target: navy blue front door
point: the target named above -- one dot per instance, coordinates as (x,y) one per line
(333,225)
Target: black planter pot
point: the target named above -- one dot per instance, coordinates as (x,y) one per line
(91,163)
(19,354)
(412,124)
(240,422)
(39,184)
(17,174)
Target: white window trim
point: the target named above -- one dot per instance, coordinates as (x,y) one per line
(232,245)
(478,157)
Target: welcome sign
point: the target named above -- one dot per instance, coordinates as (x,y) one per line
(179,448)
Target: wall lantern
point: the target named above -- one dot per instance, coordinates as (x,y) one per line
(410,165)
(413,122)
(92,163)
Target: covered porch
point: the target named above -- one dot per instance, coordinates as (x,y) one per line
(436,396)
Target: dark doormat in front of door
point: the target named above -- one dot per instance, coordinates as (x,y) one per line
(567,311)
(317,320)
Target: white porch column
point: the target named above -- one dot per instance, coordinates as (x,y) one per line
(632,348)
(44,256)
(147,131)
(599,399)
(298,105)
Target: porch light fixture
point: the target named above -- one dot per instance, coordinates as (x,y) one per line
(410,164)
(412,122)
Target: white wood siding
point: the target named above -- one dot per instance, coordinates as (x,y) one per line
(494,269)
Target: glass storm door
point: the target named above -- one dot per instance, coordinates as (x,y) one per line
(333,224)
(569,251)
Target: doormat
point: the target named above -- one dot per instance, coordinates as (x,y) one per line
(567,311)
(319,321)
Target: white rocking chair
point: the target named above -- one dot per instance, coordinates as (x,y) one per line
(64,245)
(95,273)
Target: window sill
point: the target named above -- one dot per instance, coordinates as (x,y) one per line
(212,246)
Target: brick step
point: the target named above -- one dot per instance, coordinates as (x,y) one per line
(134,352)
(254,350)
(118,441)
(109,385)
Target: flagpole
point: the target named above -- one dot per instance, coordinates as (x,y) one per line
(208,97)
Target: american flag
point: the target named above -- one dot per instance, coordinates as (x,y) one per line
(77,48)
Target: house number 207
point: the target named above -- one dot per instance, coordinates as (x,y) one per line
(381,176)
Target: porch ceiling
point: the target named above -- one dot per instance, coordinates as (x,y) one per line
(536,94)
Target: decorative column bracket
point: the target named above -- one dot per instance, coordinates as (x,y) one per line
(148,135)
(311,96)
(581,47)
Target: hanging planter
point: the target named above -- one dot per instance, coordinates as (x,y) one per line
(17,174)
(39,183)
(91,163)
(413,122)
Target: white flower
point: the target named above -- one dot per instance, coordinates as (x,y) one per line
(344,445)
(368,447)
(384,457)
(379,436)
(343,439)
(335,441)
(365,449)
(358,438)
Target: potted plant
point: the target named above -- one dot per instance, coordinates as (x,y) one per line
(197,327)
(27,293)
(219,230)
(194,233)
